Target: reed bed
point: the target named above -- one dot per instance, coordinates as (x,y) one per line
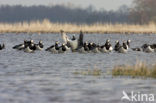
(140,69)
(46,26)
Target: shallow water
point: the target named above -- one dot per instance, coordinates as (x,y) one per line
(42,77)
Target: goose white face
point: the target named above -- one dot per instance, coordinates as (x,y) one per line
(129,41)
(57,42)
(22,45)
(32,44)
(40,41)
(32,41)
(117,41)
(108,40)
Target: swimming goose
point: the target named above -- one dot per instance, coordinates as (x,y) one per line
(32,46)
(2,46)
(136,49)
(28,50)
(62,49)
(107,46)
(117,45)
(54,48)
(128,43)
(84,48)
(148,49)
(94,48)
(19,47)
(153,46)
(123,48)
(39,46)
(103,49)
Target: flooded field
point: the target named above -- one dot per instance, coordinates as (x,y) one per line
(42,77)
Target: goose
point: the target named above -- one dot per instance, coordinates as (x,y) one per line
(123,48)
(32,46)
(19,47)
(94,48)
(128,43)
(103,49)
(107,47)
(137,49)
(39,46)
(84,48)
(62,49)
(148,49)
(64,36)
(81,36)
(73,43)
(54,48)
(153,46)
(2,46)
(28,50)
(117,45)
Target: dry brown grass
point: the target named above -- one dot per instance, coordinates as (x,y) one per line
(140,69)
(46,26)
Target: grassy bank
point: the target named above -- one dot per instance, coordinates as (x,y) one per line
(140,69)
(46,26)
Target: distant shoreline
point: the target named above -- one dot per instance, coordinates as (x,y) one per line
(46,26)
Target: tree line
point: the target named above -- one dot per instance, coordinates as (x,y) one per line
(61,14)
(142,11)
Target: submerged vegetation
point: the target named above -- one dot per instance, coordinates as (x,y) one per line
(46,26)
(140,69)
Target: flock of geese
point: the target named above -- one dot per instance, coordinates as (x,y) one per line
(78,45)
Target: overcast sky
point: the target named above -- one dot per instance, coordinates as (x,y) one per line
(98,4)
